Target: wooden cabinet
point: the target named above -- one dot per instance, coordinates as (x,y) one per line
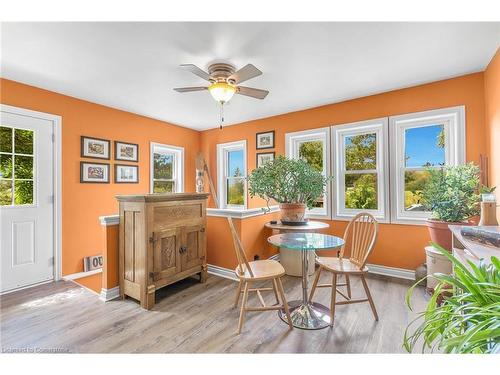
(162,240)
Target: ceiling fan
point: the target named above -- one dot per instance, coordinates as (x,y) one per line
(225,82)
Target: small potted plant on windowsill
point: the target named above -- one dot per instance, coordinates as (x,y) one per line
(294,184)
(451,193)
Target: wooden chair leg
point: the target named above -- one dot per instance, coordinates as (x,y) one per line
(275,290)
(348,285)
(238,293)
(285,303)
(315,283)
(243,307)
(368,294)
(333,298)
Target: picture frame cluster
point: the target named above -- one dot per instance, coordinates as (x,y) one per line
(264,140)
(97,172)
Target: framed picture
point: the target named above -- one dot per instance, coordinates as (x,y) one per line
(265,140)
(94,172)
(264,157)
(126,174)
(126,151)
(94,148)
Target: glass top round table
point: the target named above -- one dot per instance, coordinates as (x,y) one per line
(306,314)
(306,241)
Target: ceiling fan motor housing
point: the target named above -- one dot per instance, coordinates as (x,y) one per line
(219,72)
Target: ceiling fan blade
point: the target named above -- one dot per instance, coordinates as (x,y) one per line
(247,72)
(189,89)
(195,70)
(254,93)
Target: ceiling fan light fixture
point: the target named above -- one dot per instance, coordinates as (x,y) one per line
(222,91)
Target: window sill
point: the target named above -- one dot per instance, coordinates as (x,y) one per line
(410,221)
(239,213)
(109,220)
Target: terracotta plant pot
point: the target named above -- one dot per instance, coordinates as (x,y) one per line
(440,233)
(293,212)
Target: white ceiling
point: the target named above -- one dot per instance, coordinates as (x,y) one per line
(134,66)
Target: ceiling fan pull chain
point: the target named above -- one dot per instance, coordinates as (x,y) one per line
(221,114)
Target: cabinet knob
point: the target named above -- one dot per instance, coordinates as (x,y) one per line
(183,249)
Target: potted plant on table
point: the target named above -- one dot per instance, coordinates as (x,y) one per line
(452,194)
(293,183)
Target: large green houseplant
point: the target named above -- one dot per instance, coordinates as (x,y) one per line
(452,194)
(293,183)
(463,313)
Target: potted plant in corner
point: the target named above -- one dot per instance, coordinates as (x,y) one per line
(467,318)
(452,194)
(293,183)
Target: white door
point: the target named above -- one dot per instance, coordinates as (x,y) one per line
(26,200)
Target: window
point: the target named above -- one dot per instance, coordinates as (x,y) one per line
(419,141)
(167,169)
(360,169)
(314,147)
(17,166)
(231,162)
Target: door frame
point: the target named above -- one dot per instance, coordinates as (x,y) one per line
(57,180)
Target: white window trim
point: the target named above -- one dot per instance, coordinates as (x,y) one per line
(178,165)
(338,133)
(292,142)
(222,150)
(453,119)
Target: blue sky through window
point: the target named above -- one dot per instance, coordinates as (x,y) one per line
(235,161)
(421,146)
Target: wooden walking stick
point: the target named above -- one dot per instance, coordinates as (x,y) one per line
(201,168)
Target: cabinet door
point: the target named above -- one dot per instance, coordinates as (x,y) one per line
(193,249)
(166,256)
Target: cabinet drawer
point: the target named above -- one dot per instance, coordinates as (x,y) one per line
(180,215)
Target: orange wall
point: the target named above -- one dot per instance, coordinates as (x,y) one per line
(492,100)
(398,245)
(84,203)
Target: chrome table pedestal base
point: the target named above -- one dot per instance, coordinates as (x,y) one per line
(307,316)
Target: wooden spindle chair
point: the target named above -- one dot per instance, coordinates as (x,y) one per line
(257,271)
(360,234)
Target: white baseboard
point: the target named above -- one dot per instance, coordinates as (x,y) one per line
(109,294)
(399,273)
(221,272)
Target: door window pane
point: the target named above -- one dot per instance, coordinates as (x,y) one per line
(235,163)
(163,187)
(23,167)
(361,191)
(5,139)
(361,152)
(312,152)
(414,184)
(23,141)
(23,192)
(5,166)
(5,192)
(16,188)
(235,191)
(163,166)
(425,146)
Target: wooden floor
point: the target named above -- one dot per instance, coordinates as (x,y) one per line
(196,318)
